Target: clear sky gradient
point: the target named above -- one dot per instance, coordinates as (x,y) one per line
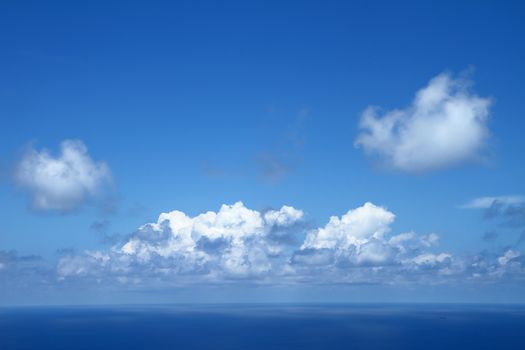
(196,104)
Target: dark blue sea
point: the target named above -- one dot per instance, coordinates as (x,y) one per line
(264,327)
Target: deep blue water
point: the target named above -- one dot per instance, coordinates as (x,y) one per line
(264,327)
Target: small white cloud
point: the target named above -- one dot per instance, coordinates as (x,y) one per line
(63,182)
(445,125)
(508,256)
(487,202)
(401,238)
(286,216)
(431,259)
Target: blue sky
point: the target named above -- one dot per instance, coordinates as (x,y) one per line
(191,105)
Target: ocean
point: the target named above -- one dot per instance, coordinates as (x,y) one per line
(264,327)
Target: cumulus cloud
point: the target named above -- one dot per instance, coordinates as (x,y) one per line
(355,227)
(237,243)
(63,182)
(360,238)
(446,124)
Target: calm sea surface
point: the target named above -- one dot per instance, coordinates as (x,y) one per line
(264,327)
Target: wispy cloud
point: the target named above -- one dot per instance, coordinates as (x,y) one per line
(20,271)
(272,167)
(102,229)
(277,163)
(508,211)
(446,124)
(487,202)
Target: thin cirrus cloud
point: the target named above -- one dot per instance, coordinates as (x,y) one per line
(487,202)
(446,124)
(509,209)
(238,244)
(19,271)
(63,182)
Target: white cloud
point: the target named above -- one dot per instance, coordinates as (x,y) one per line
(487,202)
(357,226)
(359,238)
(508,256)
(237,243)
(63,182)
(446,124)
(231,243)
(431,259)
(286,216)
(81,265)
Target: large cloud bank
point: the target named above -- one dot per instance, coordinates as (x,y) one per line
(278,247)
(446,124)
(63,182)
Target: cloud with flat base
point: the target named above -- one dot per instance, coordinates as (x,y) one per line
(237,244)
